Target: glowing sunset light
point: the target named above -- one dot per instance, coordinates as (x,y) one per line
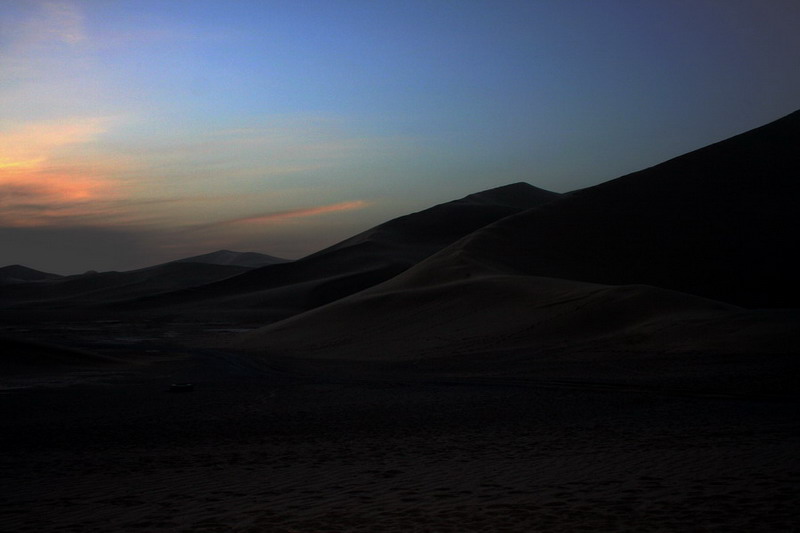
(30,144)
(141,119)
(38,178)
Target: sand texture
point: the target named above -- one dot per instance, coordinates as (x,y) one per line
(256,449)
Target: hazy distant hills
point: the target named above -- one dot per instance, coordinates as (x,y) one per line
(262,287)
(227,257)
(108,287)
(22,274)
(626,266)
(277,291)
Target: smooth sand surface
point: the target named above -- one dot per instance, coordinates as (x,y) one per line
(467,313)
(257,448)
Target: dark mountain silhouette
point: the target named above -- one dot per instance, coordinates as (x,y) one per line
(719,222)
(597,271)
(21,274)
(108,287)
(277,291)
(227,257)
(93,288)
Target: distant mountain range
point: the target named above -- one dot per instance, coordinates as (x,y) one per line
(22,274)
(24,287)
(242,259)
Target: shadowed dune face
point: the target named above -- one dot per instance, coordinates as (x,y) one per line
(493,326)
(487,313)
(278,291)
(712,224)
(718,222)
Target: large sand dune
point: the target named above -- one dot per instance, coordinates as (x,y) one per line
(719,222)
(713,223)
(278,291)
(531,328)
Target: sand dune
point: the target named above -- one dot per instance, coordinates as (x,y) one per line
(717,222)
(476,314)
(509,330)
(278,291)
(227,257)
(713,223)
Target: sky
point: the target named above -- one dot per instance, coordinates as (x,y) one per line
(134,132)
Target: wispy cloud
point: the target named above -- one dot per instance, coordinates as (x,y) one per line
(96,134)
(40,175)
(58,172)
(278,216)
(297,213)
(29,144)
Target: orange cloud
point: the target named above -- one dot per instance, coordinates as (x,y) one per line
(38,177)
(293,213)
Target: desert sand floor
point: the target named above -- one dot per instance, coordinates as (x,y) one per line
(259,451)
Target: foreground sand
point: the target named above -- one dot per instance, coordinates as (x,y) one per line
(252,449)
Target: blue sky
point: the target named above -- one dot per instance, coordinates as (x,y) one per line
(135,132)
